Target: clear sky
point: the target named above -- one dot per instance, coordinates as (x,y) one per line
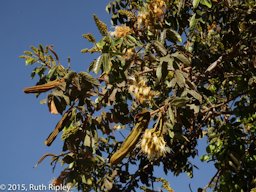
(24,123)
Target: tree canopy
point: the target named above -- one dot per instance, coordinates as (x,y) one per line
(170,73)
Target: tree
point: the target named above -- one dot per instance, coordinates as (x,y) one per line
(170,73)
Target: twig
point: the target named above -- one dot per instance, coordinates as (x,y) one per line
(157,110)
(208,185)
(145,71)
(225,102)
(48,155)
(50,47)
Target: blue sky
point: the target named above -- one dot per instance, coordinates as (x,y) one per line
(24,122)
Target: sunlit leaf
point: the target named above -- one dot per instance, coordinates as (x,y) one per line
(173,35)
(207,3)
(98,64)
(196,3)
(30,61)
(192,22)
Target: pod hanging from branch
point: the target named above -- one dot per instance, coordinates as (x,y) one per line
(60,125)
(44,87)
(130,142)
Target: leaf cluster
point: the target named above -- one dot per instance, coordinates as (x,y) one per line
(191,65)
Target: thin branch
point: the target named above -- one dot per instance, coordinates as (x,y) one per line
(225,102)
(157,110)
(145,71)
(49,155)
(211,181)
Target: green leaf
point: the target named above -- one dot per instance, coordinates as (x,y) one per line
(89,37)
(179,78)
(179,101)
(192,22)
(41,48)
(162,69)
(86,50)
(100,44)
(205,158)
(106,63)
(171,115)
(52,72)
(30,61)
(87,77)
(168,59)
(173,35)
(171,134)
(207,3)
(195,3)
(180,56)
(108,8)
(160,47)
(29,53)
(195,94)
(133,40)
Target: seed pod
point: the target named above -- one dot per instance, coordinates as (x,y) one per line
(44,87)
(133,138)
(60,125)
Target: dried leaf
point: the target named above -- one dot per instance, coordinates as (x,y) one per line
(112,96)
(52,107)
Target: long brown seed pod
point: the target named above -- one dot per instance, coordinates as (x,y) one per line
(44,87)
(133,138)
(57,129)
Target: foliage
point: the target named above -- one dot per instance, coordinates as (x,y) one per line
(176,71)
